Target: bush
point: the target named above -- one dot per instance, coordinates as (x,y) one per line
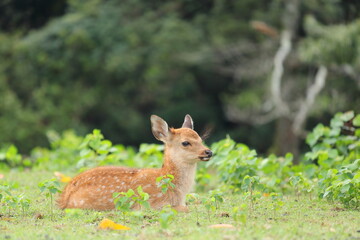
(331,168)
(336,149)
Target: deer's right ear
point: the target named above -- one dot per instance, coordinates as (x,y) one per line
(159,128)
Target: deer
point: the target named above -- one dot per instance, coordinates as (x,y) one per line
(183,149)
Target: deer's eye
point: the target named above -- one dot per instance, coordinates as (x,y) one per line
(185,144)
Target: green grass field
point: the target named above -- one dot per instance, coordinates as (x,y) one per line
(296,219)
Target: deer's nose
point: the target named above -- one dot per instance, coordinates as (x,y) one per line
(208,152)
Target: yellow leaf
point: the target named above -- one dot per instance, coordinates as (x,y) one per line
(108,224)
(266,194)
(221,226)
(62,177)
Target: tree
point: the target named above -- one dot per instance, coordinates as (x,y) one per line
(291,94)
(107,65)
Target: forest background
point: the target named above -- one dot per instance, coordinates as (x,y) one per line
(263,72)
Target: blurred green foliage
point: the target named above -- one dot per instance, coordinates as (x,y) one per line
(336,149)
(331,169)
(10,201)
(110,64)
(106,65)
(331,45)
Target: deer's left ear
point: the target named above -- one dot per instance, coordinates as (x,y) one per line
(188,122)
(159,128)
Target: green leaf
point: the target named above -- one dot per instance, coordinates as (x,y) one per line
(345,188)
(11,152)
(356,121)
(323,155)
(311,139)
(347,116)
(357,132)
(335,131)
(289,157)
(336,122)
(130,193)
(146,205)
(54,190)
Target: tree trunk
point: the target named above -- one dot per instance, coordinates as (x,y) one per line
(285,139)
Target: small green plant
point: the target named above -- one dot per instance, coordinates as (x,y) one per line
(301,184)
(24,203)
(95,151)
(335,145)
(142,198)
(50,188)
(192,198)
(11,201)
(233,162)
(124,201)
(276,202)
(336,149)
(343,185)
(248,185)
(296,181)
(240,213)
(209,204)
(149,155)
(308,186)
(217,197)
(165,182)
(9,157)
(203,178)
(166,216)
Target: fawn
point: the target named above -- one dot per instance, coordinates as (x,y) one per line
(93,189)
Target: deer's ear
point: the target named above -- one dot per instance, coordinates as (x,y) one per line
(188,122)
(159,128)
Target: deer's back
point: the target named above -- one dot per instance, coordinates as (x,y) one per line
(93,189)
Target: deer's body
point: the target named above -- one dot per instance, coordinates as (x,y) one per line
(94,188)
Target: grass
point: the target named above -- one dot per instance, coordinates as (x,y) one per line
(303,219)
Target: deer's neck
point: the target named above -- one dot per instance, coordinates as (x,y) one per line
(184,173)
